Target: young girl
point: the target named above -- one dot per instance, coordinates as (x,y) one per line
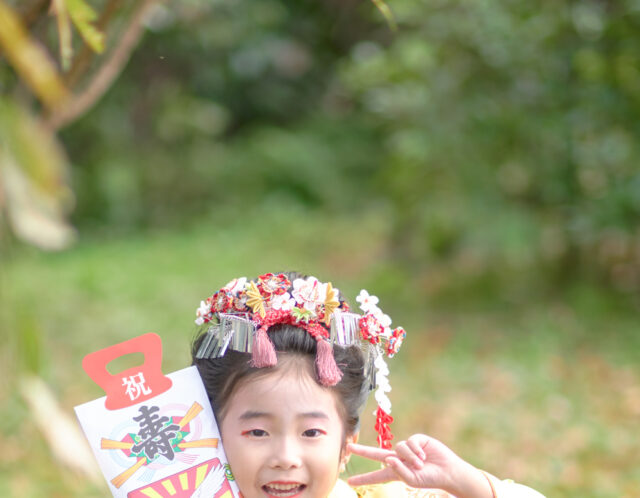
(288,369)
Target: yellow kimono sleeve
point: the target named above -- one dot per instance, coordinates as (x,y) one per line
(398,489)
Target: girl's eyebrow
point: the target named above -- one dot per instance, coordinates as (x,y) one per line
(251,414)
(313,415)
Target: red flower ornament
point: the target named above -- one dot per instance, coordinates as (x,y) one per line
(270,284)
(370,328)
(395,341)
(222,301)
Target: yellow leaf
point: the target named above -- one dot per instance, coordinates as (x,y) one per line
(255,300)
(30,59)
(36,149)
(330,303)
(83,17)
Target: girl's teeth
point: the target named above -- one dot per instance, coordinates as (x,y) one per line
(283,489)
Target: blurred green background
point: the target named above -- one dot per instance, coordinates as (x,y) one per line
(476,168)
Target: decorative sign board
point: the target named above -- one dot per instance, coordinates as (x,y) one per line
(154,436)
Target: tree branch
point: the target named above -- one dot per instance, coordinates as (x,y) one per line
(30,14)
(108,72)
(82,60)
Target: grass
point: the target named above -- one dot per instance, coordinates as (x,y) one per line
(546,393)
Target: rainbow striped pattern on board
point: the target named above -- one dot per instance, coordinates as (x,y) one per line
(184,484)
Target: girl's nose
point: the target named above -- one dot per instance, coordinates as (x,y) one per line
(286,454)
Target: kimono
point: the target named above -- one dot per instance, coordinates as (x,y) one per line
(396,489)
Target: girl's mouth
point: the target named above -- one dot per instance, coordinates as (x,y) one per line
(283,489)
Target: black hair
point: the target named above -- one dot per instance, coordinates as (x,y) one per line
(221,376)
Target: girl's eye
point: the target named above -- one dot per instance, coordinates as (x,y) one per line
(313,433)
(255,433)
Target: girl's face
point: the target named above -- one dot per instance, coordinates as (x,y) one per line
(283,435)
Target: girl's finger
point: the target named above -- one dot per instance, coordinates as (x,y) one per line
(406,453)
(377,454)
(416,447)
(375,477)
(400,470)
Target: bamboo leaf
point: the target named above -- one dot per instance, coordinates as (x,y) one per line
(30,59)
(65,439)
(35,148)
(83,17)
(59,9)
(34,176)
(386,12)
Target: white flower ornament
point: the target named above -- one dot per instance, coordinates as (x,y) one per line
(383,318)
(202,311)
(283,302)
(382,384)
(236,285)
(310,293)
(367,302)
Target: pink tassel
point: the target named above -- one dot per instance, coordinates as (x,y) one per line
(328,372)
(264,354)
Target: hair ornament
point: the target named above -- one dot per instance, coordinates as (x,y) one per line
(238,316)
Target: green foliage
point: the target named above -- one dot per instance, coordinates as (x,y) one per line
(504,145)
(500,137)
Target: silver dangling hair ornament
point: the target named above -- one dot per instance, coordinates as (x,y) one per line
(236,331)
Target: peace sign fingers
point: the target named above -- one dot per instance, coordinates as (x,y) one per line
(375,477)
(377,454)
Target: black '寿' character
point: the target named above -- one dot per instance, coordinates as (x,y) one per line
(155,436)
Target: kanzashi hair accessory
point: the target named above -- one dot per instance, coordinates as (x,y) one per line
(238,316)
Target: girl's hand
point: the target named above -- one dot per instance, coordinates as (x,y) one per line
(423,462)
